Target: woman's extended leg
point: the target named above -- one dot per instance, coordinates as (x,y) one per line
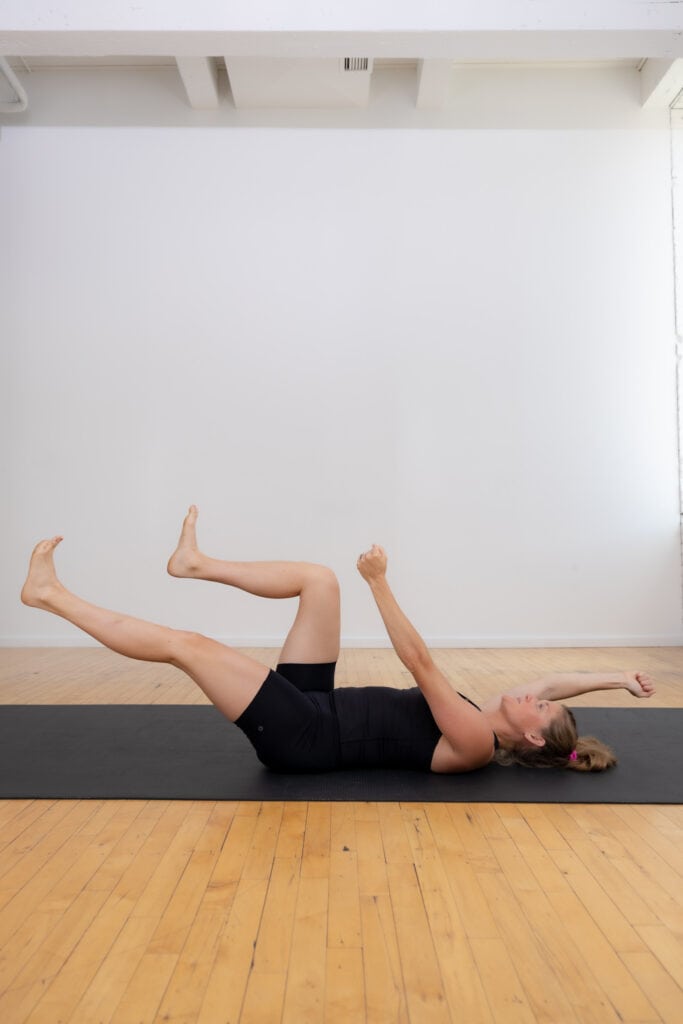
(314,636)
(229,679)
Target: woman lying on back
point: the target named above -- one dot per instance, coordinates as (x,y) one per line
(297,721)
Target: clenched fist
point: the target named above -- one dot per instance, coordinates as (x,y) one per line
(373,563)
(639,684)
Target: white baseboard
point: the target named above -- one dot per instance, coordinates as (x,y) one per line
(435,642)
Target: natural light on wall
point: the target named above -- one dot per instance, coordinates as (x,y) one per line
(677,213)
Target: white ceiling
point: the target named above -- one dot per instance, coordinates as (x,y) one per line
(29,63)
(291,56)
(267,82)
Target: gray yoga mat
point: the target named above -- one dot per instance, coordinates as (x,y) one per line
(191,752)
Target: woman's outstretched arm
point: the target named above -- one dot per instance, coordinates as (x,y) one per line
(562,685)
(466,730)
(405,639)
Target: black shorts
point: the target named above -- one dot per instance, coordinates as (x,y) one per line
(292,723)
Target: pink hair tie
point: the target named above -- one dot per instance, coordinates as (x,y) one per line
(573,756)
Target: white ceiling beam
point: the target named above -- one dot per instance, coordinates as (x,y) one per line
(660,83)
(520,30)
(385,16)
(200,78)
(433,84)
(497,46)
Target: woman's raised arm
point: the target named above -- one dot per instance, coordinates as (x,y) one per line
(466,730)
(562,685)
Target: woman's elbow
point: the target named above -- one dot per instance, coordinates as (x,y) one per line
(419,662)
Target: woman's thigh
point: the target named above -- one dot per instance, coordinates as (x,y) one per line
(314,636)
(229,678)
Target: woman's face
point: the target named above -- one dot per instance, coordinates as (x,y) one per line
(529,716)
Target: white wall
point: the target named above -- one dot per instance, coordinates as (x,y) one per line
(457,343)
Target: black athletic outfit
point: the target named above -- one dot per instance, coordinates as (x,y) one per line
(298,722)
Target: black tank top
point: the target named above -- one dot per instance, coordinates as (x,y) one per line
(383,727)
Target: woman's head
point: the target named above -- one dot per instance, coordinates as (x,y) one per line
(547,737)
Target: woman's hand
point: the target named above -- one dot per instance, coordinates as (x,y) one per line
(373,563)
(639,684)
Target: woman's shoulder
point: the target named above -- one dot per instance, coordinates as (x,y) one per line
(448,761)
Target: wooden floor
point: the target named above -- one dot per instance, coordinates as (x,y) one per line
(142,911)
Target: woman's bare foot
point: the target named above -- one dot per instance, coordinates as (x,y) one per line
(41,581)
(186,560)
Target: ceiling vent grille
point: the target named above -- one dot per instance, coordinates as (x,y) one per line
(356,63)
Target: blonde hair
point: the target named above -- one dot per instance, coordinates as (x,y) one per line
(561,740)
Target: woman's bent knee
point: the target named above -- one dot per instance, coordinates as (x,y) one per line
(323,576)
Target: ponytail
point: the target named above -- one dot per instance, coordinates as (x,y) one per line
(592,755)
(564,748)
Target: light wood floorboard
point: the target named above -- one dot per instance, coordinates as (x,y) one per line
(196,911)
